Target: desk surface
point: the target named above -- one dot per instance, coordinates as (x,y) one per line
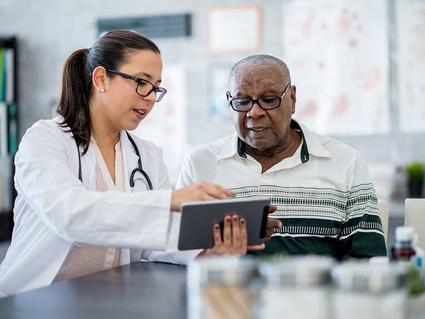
(138,290)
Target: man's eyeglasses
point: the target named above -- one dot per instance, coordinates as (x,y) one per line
(245,104)
(144,87)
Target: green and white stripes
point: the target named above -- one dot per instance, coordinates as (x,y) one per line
(310,215)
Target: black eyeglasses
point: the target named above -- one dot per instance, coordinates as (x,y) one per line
(144,87)
(245,104)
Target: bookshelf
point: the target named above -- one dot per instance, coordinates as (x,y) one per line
(8,131)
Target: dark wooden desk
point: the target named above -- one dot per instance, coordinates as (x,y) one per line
(138,290)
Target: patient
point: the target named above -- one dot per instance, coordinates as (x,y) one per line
(322,188)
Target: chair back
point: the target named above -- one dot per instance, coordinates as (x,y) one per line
(414,216)
(384,213)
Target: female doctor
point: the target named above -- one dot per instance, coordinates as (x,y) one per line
(91,195)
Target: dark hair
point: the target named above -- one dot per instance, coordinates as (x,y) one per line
(109,51)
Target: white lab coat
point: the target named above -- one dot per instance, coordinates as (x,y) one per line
(54,210)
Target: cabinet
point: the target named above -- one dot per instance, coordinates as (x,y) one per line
(8,131)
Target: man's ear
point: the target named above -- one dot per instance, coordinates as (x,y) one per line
(293,96)
(100,79)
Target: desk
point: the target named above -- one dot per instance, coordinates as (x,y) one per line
(137,290)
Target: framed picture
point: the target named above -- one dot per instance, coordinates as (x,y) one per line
(235,29)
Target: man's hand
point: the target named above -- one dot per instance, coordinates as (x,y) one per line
(272,223)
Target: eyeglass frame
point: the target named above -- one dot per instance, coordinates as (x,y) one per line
(253,101)
(138,80)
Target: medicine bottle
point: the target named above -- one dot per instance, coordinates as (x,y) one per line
(366,290)
(403,249)
(219,287)
(295,287)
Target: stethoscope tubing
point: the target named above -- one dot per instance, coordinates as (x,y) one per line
(139,167)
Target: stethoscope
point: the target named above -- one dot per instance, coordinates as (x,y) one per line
(139,167)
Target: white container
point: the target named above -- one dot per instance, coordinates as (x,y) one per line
(219,288)
(295,287)
(373,291)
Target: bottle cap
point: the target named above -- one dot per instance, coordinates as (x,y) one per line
(368,277)
(298,271)
(225,270)
(404,233)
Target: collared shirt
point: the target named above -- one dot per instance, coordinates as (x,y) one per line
(324,193)
(86,259)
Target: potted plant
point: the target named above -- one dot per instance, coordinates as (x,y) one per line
(415,178)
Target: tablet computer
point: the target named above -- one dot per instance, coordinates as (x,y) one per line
(198,218)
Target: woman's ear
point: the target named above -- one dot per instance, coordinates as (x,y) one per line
(100,79)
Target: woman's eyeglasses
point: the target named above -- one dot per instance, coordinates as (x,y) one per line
(144,87)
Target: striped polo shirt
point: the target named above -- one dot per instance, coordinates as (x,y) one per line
(324,193)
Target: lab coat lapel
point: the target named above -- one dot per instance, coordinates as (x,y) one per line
(130,159)
(88,162)
(88,168)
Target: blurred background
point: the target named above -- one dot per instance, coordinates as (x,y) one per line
(358,66)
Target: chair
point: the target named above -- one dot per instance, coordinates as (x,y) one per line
(384,213)
(414,216)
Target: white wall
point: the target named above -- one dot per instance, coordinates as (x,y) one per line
(49,30)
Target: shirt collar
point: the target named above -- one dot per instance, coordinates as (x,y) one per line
(311,145)
(315,145)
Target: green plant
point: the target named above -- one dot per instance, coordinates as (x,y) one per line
(415,171)
(415,284)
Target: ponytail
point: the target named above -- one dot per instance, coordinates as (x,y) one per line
(75,95)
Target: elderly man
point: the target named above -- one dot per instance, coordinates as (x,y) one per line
(322,188)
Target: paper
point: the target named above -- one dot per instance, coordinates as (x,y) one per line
(337,52)
(411,64)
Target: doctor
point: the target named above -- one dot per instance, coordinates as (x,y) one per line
(91,195)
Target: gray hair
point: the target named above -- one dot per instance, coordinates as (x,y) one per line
(260,59)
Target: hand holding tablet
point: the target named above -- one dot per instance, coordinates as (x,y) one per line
(198,218)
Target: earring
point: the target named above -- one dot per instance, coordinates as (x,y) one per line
(102,90)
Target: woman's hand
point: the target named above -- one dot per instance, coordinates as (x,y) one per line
(198,191)
(233,241)
(272,223)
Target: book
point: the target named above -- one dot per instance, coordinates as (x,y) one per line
(2,76)
(3,130)
(12,134)
(10,75)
